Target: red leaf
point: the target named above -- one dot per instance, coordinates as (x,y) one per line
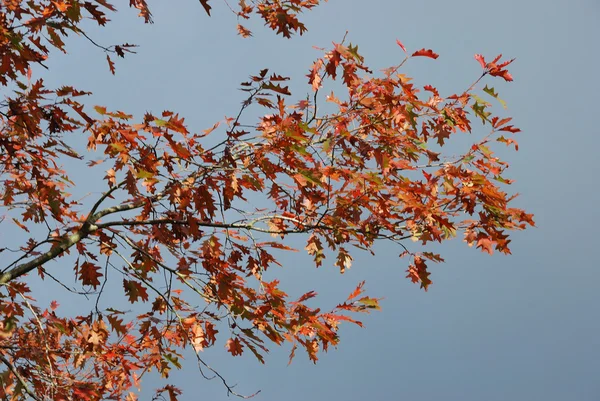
(481,60)
(401,45)
(496,70)
(417,272)
(347,175)
(89,274)
(135,290)
(510,128)
(503,74)
(171,390)
(308,295)
(506,63)
(117,324)
(425,53)
(277,88)
(234,346)
(111,65)
(432,90)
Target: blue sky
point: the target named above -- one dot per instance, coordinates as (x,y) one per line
(523,327)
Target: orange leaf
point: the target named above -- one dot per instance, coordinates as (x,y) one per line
(359,290)
(486,245)
(243,31)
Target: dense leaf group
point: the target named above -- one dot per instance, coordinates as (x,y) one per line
(176,219)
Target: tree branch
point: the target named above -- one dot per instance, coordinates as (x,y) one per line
(86,229)
(19,378)
(63,245)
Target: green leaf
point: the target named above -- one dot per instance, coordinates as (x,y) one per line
(503,180)
(141,173)
(310,177)
(307,128)
(478,179)
(60,327)
(412,116)
(375,178)
(485,150)
(16,41)
(301,149)
(74,12)
(494,94)
(66,179)
(296,135)
(371,303)
(9,324)
(54,204)
(173,359)
(118,146)
(479,110)
(480,100)
(448,119)
(420,144)
(468,158)
(160,123)
(353,50)
(448,232)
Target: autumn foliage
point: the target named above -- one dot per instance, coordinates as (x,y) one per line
(173,222)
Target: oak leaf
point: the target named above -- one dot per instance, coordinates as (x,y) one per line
(425,53)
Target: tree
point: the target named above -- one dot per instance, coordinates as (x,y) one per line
(174,218)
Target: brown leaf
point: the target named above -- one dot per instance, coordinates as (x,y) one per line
(206,6)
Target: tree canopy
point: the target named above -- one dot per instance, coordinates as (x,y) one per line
(190,221)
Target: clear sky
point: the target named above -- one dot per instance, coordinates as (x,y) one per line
(521,328)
